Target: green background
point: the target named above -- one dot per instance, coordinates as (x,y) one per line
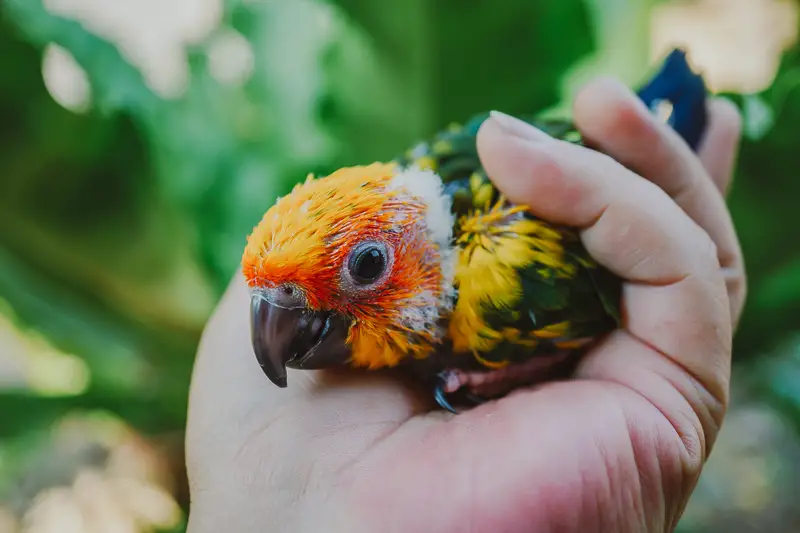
(120,227)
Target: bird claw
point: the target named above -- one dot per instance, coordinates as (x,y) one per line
(439,394)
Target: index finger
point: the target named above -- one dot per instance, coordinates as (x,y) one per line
(621,126)
(675,303)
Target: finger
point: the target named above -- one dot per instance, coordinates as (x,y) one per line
(693,412)
(676,303)
(571,185)
(618,124)
(718,153)
(720,148)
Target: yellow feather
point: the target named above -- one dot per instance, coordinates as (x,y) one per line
(489,364)
(573,344)
(553,331)
(442,147)
(494,247)
(426,163)
(380,347)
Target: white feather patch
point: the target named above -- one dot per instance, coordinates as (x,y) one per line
(427,186)
(423,311)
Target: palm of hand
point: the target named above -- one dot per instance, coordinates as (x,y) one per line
(564,454)
(617,449)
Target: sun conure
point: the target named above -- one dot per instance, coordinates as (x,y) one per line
(420,263)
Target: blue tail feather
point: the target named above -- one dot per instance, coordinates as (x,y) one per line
(686,91)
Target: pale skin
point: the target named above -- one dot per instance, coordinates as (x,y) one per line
(618,449)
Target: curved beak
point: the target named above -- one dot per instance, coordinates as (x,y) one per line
(295,338)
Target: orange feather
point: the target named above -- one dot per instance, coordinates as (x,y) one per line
(305,238)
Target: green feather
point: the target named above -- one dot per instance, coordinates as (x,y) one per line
(589,301)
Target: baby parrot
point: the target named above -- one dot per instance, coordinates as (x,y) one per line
(420,263)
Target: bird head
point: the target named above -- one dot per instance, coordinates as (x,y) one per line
(355,268)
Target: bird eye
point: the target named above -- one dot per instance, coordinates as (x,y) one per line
(367,263)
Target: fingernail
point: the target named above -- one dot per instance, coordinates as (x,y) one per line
(518,128)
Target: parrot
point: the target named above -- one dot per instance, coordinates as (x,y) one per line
(420,263)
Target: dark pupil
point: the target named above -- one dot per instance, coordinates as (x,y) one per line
(368,266)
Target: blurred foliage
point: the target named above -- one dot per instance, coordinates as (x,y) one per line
(120,227)
(762,202)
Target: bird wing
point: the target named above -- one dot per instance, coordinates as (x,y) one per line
(524,286)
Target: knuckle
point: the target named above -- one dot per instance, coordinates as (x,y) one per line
(551,180)
(617,119)
(631,124)
(546,169)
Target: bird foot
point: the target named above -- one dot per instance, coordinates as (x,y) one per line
(440,395)
(444,386)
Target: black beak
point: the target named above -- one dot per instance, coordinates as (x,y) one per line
(295,338)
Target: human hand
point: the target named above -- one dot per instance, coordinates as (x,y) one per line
(619,448)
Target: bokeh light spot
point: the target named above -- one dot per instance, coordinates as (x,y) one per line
(36,364)
(231,59)
(65,79)
(736,44)
(151,34)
